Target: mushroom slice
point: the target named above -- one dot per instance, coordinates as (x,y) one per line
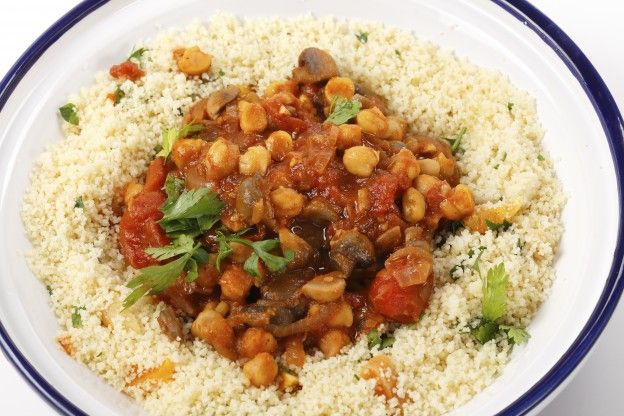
(319,211)
(290,241)
(217,100)
(315,65)
(354,245)
(389,240)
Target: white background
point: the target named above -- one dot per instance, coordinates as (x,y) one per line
(595,26)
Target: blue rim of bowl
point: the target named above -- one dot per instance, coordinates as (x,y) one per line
(577,63)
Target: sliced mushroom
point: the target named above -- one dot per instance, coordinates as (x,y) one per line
(389,240)
(319,211)
(326,287)
(290,241)
(170,323)
(342,263)
(354,245)
(217,100)
(310,323)
(314,65)
(250,200)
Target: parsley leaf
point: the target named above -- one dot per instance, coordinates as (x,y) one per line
(69,113)
(362,36)
(515,335)
(454,269)
(170,136)
(342,110)
(504,226)
(484,331)
(376,339)
(397,53)
(455,142)
(49,289)
(191,212)
(541,157)
(510,106)
(137,54)
(494,303)
(261,251)
(76,318)
(118,94)
(181,245)
(78,202)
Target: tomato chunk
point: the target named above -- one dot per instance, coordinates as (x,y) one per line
(139,229)
(401,304)
(126,70)
(156,175)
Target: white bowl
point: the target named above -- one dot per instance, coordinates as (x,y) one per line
(584,137)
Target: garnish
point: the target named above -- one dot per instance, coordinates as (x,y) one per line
(510,106)
(49,289)
(191,212)
(170,136)
(342,110)
(78,202)
(541,157)
(221,73)
(397,53)
(137,54)
(69,113)
(76,317)
(117,95)
(504,157)
(377,339)
(504,226)
(362,36)
(493,307)
(154,279)
(455,142)
(261,251)
(454,269)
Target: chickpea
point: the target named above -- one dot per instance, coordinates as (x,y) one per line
(404,163)
(222,308)
(333,341)
(413,205)
(255,160)
(425,182)
(222,157)
(396,128)
(339,86)
(325,288)
(360,160)
(279,143)
(212,327)
(429,167)
(349,135)
(253,118)
(287,202)
(447,166)
(381,368)
(132,190)
(287,381)
(373,121)
(254,341)
(261,370)
(294,354)
(235,284)
(342,317)
(280,86)
(186,150)
(459,203)
(194,62)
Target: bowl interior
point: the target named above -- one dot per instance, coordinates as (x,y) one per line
(479,30)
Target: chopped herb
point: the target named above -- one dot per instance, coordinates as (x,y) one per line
(362,36)
(170,136)
(504,156)
(515,335)
(377,339)
(510,106)
(76,317)
(69,113)
(520,244)
(397,53)
(471,252)
(454,226)
(455,269)
(342,110)
(541,157)
(261,251)
(496,166)
(287,370)
(155,279)
(192,212)
(504,226)
(99,354)
(484,331)
(476,264)
(357,378)
(49,289)
(78,202)
(455,142)
(180,113)
(221,72)
(117,95)
(137,54)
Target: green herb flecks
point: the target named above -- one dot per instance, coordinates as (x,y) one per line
(453,272)
(78,202)
(49,289)
(362,37)
(170,136)
(69,112)
(261,251)
(375,339)
(221,73)
(397,53)
(117,95)
(137,55)
(76,318)
(510,106)
(342,110)
(455,142)
(497,228)
(541,157)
